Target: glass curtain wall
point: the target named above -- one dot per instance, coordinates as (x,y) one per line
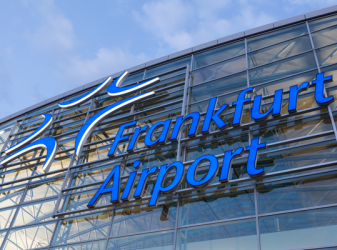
(293,206)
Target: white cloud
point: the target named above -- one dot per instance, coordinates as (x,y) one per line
(182,24)
(55,31)
(107,61)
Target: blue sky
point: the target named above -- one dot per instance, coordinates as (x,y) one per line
(48,47)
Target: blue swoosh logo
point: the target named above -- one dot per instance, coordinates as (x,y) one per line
(48,120)
(86,96)
(49,143)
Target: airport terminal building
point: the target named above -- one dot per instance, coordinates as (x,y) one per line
(227,145)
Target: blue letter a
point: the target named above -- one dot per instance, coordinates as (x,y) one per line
(104,189)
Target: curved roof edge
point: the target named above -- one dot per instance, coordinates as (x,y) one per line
(176,55)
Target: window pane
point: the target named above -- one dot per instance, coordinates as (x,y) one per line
(282,68)
(322,23)
(279,51)
(144,218)
(327,55)
(11,197)
(293,129)
(96,245)
(219,70)
(325,37)
(44,189)
(219,87)
(216,147)
(6,217)
(161,99)
(82,228)
(297,157)
(167,67)
(285,84)
(231,235)
(297,193)
(276,36)
(151,160)
(299,230)
(160,240)
(29,237)
(34,213)
(215,206)
(218,54)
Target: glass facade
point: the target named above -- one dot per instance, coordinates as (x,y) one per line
(293,206)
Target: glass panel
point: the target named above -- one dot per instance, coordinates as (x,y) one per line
(166,83)
(299,230)
(162,99)
(322,23)
(297,157)
(327,55)
(11,197)
(215,206)
(106,100)
(330,71)
(219,87)
(167,67)
(82,228)
(282,68)
(34,213)
(151,160)
(297,193)
(144,218)
(6,217)
(154,241)
(29,237)
(218,54)
(279,51)
(217,147)
(80,200)
(325,37)
(100,153)
(16,174)
(231,235)
(285,84)
(30,125)
(5,131)
(219,70)
(66,128)
(43,190)
(293,129)
(162,116)
(67,143)
(276,36)
(2,236)
(96,245)
(91,175)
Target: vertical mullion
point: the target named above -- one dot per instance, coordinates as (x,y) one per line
(183,109)
(319,71)
(109,231)
(176,225)
(257,218)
